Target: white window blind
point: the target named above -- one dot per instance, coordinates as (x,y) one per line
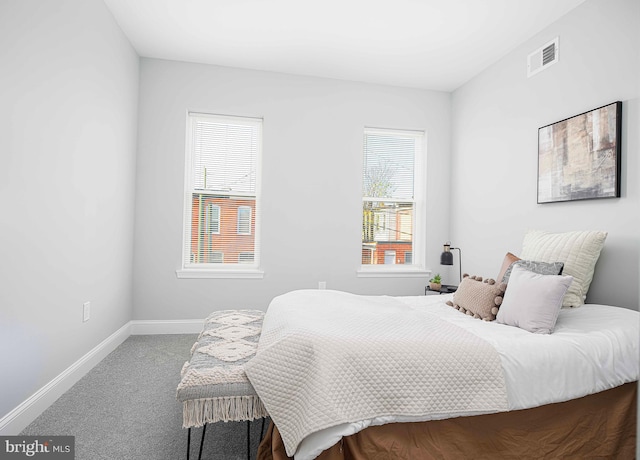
(222,192)
(392,197)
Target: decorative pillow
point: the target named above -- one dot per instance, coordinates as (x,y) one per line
(533,301)
(506,263)
(542,268)
(578,250)
(477,298)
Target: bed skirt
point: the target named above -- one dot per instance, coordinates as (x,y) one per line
(602,425)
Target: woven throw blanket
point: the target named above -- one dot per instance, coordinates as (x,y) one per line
(214,386)
(328,357)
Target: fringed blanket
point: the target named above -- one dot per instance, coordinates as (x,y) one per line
(214,386)
(327,357)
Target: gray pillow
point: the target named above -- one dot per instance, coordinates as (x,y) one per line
(542,268)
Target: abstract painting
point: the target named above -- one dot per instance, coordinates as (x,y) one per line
(579,157)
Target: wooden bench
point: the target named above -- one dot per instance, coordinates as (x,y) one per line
(214,386)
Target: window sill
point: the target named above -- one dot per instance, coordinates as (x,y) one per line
(380,271)
(204,273)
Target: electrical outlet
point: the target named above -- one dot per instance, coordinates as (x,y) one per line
(86,311)
(322,285)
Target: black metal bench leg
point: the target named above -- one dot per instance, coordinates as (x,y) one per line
(248,439)
(188,442)
(204,430)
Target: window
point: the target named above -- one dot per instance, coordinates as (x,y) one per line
(221,196)
(408,258)
(216,257)
(389,257)
(244,220)
(393,200)
(245,257)
(213,218)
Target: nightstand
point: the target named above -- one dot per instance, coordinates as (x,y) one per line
(445,289)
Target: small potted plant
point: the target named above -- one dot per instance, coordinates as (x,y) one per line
(435,283)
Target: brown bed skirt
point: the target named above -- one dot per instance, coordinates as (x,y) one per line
(602,425)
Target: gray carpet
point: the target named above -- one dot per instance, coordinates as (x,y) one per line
(125,408)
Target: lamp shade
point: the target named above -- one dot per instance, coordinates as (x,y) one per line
(446,258)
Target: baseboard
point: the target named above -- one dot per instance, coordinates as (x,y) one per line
(20,417)
(151,327)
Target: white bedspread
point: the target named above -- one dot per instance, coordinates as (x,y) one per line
(320,349)
(593,348)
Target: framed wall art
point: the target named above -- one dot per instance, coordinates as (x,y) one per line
(579,157)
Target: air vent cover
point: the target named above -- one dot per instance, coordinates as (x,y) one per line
(543,57)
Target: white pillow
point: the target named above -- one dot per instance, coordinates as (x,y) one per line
(532,301)
(578,250)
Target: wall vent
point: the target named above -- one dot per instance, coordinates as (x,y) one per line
(543,57)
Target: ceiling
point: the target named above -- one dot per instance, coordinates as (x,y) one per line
(427,44)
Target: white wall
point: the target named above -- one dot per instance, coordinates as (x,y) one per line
(69,93)
(495,123)
(312,142)
(68,101)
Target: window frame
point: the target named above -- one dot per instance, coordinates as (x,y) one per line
(419,238)
(219,270)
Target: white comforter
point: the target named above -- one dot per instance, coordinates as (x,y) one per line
(319,350)
(593,348)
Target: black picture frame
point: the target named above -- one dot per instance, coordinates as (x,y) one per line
(579,157)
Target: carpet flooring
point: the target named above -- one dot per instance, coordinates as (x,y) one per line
(125,408)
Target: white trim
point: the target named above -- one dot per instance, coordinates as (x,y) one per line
(20,417)
(199,273)
(415,133)
(392,271)
(155,327)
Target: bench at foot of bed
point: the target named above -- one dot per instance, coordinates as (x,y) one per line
(214,386)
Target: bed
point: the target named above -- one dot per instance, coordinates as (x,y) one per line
(347,376)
